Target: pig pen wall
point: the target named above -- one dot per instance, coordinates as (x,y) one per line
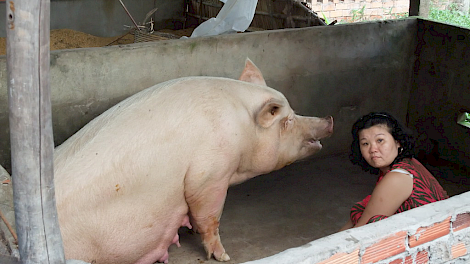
(439,232)
(441,90)
(411,68)
(436,233)
(107,18)
(338,71)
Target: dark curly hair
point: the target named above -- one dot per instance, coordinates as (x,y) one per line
(399,132)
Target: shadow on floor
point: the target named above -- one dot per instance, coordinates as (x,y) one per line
(454,178)
(288,208)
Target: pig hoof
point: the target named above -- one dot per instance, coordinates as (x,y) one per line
(223,257)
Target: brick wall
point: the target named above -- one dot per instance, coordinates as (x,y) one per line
(437,233)
(359,10)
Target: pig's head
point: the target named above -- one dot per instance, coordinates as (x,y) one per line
(284,137)
(300,137)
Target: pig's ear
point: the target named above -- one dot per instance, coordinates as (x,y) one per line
(252,74)
(269,112)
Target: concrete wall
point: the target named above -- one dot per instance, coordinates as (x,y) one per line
(411,68)
(437,233)
(441,88)
(322,71)
(106,18)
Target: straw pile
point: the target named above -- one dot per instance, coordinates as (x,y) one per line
(72,39)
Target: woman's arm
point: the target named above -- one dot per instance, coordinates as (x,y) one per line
(389,194)
(348,225)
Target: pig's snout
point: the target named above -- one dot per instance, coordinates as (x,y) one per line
(326,130)
(329,128)
(323,129)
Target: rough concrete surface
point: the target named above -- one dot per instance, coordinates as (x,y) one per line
(291,207)
(317,78)
(305,201)
(287,208)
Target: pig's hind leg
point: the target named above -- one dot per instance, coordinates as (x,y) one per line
(205,210)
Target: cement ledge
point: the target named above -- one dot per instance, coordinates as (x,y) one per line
(358,239)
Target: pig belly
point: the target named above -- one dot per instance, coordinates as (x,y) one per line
(129,230)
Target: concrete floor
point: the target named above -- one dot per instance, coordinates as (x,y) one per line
(293,206)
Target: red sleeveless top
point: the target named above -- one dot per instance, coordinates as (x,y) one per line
(426,189)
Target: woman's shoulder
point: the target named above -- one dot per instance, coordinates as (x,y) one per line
(406,164)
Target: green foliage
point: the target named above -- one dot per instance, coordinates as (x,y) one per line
(358,15)
(450,16)
(326,19)
(398,15)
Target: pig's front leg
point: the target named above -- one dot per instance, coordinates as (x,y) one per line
(205,209)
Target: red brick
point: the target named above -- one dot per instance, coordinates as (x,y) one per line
(328,7)
(408,260)
(340,258)
(387,4)
(396,261)
(458,250)
(400,9)
(461,221)
(426,234)
(376,4)
(421,258)
(343,6)
(385,248)
(402,3)
(336,13)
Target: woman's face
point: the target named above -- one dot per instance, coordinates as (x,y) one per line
(378,147)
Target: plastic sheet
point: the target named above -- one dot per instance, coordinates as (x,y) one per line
(464,119)
(235,16)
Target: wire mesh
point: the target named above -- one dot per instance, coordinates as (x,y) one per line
(144,36)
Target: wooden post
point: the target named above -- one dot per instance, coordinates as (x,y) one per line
(465,7)
(32,146)
(414,8)
(424,8)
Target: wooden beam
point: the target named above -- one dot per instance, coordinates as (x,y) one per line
(414,8)
(280,16)
(32,146)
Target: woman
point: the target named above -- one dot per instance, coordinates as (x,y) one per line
(381,145)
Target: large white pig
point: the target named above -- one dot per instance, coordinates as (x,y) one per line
(165,157)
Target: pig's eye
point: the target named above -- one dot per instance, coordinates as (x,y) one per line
(274,110)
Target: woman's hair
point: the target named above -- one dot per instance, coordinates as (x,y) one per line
(399,132)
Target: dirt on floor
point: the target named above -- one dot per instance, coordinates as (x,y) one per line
(72,39)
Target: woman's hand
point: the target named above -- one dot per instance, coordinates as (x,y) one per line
(389,194)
